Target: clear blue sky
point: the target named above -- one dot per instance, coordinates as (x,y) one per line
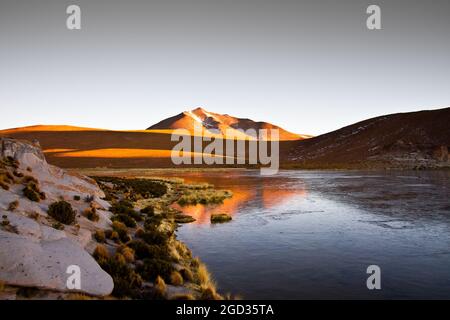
(308,66)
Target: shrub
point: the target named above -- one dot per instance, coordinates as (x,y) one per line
(112,235)
(184,218)
(155,237)
(30,192)
(149,210)
(208,196)
(139,232)
(91,214)
(176,279)
(122,206)
(76,198)
(143,250)
(209,293)
(121,230)
(13,205)
(62,212)
(160,288)
(120,258)
(18,174)
(187,275)
(125,208)
(144,188)
(108,233)
(204,277)
(89,198)
(11,162)
(100,253)
(220,218)
(152,268)
(100,236)
(195,263)
(153,221)
(127,220)
(127,253)
(126,281)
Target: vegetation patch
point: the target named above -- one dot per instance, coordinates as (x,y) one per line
(126,220)
(6,225)
(33,193)
(220,218)
(176,279)
(143,250)
(203,196)
(184,218)
(13,205)
(134,189)
(152,268)
(91,214)
(127,283)
(149,210)
(100,236)
(122,231)
(62,212)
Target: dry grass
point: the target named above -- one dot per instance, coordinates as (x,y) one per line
(91,214)
(176,279)
(101,252)
(160,287)
(204,277)
(203,196)
(78,297)
(182,297)
(187,275)
(127,253)
(100,236)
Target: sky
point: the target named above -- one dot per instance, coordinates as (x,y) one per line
(309,66)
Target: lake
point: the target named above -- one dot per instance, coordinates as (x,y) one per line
(312,234)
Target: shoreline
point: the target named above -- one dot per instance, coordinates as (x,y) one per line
(190,279)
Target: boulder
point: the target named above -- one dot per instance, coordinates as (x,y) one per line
(43,265)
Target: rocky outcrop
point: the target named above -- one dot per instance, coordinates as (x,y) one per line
(33,252)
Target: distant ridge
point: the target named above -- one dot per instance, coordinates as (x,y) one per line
(402,140)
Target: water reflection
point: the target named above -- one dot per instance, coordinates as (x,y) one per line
(267,193)
(311,235)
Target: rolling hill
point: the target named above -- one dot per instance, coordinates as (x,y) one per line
(403,140)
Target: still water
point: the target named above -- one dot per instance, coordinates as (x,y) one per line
(312,235)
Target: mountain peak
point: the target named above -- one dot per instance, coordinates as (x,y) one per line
(214,123)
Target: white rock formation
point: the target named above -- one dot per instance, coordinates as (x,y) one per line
(32,252)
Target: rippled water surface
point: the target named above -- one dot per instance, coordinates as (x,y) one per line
(312,235)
